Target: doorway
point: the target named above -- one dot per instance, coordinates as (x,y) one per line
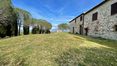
(81,30)
(86,31)
(73,29)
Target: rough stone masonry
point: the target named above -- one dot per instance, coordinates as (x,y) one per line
(100,21)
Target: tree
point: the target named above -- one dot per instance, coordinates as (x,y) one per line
(45,26)
(63,26)
(11,18)
(8,19)
(41,26)
(25,18)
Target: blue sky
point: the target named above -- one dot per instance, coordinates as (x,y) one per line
(56,11)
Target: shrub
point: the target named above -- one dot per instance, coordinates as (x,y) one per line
(26,30)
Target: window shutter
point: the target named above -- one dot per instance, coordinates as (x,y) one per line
(95,16)
(113,8)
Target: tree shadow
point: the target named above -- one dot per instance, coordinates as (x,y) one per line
(102,41)
(99,40)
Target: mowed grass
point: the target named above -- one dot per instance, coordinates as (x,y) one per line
(57,49)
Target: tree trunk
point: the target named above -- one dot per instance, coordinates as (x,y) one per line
(19,28)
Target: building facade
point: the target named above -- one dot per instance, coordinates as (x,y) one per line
(100,21)
(73,27)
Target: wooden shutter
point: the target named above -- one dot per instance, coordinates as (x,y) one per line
(114,8)
(95,16)
(115,27)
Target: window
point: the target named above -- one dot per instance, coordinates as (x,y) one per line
(94,17)
(86,31)
(75,20)
(113,8)
(115,27)
(81,18)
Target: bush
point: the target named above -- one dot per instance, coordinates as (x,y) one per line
(47,31)
(35,30)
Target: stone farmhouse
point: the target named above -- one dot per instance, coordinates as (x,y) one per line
(100,21)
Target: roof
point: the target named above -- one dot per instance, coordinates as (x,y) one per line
(97,6)
(76,17)
(91,9)
(71,20)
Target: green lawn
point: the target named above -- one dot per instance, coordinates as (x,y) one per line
(57,49)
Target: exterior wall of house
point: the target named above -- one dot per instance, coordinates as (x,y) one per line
(79,24)
(76,23)
(103,26)
(73,25)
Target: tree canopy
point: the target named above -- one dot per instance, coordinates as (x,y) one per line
(63,26)
(11,20)
(8,18)
(42,23)
(25,14)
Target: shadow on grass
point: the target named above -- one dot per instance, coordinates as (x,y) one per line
(99,40)
(87,57)
(102,41)
(106,42)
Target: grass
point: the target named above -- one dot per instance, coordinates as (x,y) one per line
(57,49)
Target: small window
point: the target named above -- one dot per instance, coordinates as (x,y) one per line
(75,20)
(94,17)
(81,18)
(115,27)
(113,8)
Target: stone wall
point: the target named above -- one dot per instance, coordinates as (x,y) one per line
(73,25)
(103,26)
(79,24)
(76,24)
